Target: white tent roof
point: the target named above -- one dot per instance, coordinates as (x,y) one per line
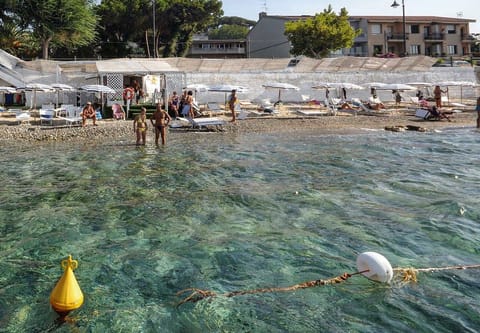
(134,66)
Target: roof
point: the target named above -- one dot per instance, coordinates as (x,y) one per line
(419,19)
(134,66)
(423,19)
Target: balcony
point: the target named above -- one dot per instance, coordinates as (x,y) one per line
(212,51)
(434,37)
(396,37)
(468,38)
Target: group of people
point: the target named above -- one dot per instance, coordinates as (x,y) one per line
(186,106)
(159,120)
(182,105)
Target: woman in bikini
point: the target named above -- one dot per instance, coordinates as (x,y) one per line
(140,126)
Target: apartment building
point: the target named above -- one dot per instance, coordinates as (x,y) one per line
(424,35)
(202,47)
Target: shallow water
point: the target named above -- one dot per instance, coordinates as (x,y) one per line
(226,214)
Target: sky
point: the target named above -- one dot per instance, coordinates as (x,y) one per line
(249,9)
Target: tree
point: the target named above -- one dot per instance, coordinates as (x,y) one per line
(317,37)
(228,31)
(124,26)
(68,23)
(181,19)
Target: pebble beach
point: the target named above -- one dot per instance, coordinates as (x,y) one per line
(107,130)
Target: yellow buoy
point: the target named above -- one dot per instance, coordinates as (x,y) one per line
(67,295)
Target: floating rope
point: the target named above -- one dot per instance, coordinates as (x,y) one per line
(198,294)
(405,275)
(410,274)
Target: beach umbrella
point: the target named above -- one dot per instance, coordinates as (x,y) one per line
(460,84)
(420,84)
(338,85)
(280,86)
(396,86)
(226,88)
(61,87)
(36,87)
(345,85)
(98,88)
(197,87)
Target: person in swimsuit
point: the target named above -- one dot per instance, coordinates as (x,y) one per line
(437,93)
(187,110)
(232,101)
(162,119)
(140,126)
(173,104)
(88,112)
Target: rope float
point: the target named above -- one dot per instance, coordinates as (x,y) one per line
(371,265)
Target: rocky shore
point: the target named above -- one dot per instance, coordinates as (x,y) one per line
(107,130)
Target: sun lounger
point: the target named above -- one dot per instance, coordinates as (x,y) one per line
(422,113)
(202,122)
(314,112)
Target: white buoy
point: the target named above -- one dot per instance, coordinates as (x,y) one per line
(376,266)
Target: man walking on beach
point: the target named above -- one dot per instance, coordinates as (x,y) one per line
(162,119)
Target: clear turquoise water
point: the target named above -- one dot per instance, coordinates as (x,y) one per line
(225,214)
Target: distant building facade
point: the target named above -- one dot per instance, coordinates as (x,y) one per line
(202,47)
(424,35)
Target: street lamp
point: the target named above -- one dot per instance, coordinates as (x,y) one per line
(395,5)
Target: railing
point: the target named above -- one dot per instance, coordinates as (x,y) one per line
(198,50)
(434,36)
(395,36)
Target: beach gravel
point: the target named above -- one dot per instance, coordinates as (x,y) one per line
(108,130)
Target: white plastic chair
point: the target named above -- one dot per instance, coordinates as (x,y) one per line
(46,116)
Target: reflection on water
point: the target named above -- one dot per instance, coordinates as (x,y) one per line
(227,214)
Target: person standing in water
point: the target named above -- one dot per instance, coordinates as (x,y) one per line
(140,126)
(162,119)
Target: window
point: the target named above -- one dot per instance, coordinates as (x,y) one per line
(451,29)
(452,49)
(376,29)
(415,29)
(415,49)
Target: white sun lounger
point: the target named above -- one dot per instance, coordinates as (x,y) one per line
(212,121)
(314,112)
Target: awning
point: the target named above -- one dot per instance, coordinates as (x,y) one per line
(134,66)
